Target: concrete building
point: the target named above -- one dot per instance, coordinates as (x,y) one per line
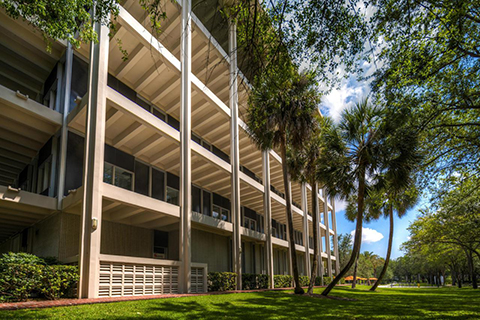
(140,168)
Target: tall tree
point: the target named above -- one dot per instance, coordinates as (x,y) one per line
(430,56)
(65,20)
(400,200)
(345,241)
(351,153)
(303,164)
(280,114)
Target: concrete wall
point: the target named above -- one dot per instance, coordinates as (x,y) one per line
(69,236)
(46,236)
(125,240)
(212,249)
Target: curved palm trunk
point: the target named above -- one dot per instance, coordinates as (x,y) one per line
(389,252)
(288,200)
(313,275)
(354,282)
(357,242)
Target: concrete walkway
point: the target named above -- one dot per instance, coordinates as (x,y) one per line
(34,304)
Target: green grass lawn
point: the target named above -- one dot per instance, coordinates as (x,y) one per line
(412,303)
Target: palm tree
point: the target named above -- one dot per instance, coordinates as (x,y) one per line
(303,168)
(280,114)
(401,201)
(396,184)
(351,153)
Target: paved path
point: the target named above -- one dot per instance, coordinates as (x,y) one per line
(73,302)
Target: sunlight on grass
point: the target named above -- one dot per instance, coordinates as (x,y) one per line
(408,303)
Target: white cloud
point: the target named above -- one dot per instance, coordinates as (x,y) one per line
(340,205)
(369,235)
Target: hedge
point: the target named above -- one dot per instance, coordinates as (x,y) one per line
(222,281)
(254,281)
(23,275)
(282,281)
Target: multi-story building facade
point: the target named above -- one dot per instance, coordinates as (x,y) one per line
(140,168)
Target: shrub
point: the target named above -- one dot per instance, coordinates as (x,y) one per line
(222,281)
(254,281)
(282,281)
(59,281)
(19,281)
(20,258)
(326,281)
(304,281)
(23,274)
(318,281)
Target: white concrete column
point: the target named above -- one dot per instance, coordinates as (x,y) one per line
(306,243)
(267,209)
(234,155)
(185,148)
(335,238)
(93,165)
(319,240)
(327,235)
(66,87)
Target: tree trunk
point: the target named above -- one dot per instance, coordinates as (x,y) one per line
(354,282)
(471,268)
(357,242)
(389,251)
(313,275)
(288,200)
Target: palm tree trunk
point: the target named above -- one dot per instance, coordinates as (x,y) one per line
(354,282)
(313,275)
(288,200)
(357,242)
(389,252)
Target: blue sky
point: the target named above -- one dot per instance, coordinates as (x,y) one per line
(375,234)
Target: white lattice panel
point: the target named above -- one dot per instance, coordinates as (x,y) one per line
(197,280)
(120,279)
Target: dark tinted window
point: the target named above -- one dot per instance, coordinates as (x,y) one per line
(196,138)
(119,158)
(221,201)
(142,103)
(207,203)
(158,184)
(196,199)
(74,169)
(142,178)
(222,155)
(45,152)
(121,87)
(79,80)
(160,115)
(160,238)
(173,181)
(173,122)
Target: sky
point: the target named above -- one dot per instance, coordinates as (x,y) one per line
(375,233)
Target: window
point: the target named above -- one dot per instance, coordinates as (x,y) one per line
(207,203)
(216,212)
(160,244)
(158,184)
(142,178)
(117,176)
(173,196)
(43,178)
(196,199)
(159,114)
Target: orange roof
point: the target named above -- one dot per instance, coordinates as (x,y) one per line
(349,278)
(373,279)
